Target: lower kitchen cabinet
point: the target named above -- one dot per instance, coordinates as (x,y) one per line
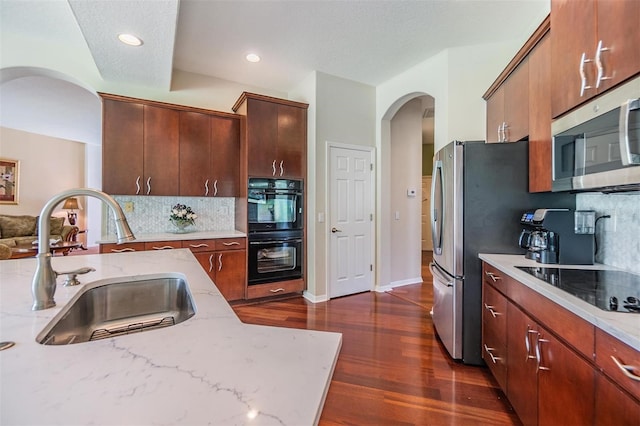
(274,289)
(560,370)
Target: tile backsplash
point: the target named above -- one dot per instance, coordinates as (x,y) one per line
(151,214)
(619,247)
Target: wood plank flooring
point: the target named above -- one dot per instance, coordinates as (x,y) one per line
(392,370)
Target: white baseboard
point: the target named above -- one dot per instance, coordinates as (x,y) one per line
(394,284)
(313,298)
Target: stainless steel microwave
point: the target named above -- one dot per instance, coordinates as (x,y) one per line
(596,147)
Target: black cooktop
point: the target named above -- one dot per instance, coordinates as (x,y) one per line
(608,290)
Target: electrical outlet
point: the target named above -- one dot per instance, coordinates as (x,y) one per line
(128,206)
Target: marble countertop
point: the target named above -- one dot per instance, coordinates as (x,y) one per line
(624,326)
(173,236)
(210,369)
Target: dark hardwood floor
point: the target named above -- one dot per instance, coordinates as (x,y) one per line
(392,370)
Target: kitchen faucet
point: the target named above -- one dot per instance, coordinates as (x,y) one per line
(43,286)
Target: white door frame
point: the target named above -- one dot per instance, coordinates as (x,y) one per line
(328,221)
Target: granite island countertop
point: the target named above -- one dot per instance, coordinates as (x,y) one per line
(210,369)
(624,326)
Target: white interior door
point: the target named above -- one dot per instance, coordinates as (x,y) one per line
(351,220)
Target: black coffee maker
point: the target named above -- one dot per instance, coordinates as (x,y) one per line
(558,236)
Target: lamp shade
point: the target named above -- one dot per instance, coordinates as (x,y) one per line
(72,204)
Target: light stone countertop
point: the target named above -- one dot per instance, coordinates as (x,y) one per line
(210,369)
(174,236)
(624,326)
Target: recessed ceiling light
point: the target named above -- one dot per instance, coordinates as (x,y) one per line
(252,57)
(130,39)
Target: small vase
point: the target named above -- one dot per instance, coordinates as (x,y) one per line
(182,227)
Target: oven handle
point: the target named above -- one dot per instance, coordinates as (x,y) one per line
(262,243)
(277,192)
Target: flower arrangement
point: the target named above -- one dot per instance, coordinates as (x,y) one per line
(182,216)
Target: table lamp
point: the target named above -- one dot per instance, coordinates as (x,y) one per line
(71,204)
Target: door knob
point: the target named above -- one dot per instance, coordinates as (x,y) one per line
(334,230)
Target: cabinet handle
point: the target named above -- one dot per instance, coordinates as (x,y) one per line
(539,355)
(627,370)
(198,245)
(233,243)
(273,167)
(488,350)
(220,262)
(206,188)
(277,290)
(493,276)
(499,132)
(504,132)
(490,309)
(162,248)
(583,76)
(281,167)
(210,262)
(122,250)
(527,343)
(148,185)
(215,187)
(601,76)
(138,185)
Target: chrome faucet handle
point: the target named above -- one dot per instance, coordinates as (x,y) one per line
(72,276)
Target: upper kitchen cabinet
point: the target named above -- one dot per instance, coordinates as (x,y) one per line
(209,154)
(140,148)
(508,107)
(276,131)
(594,46)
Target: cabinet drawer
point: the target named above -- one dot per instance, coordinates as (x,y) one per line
(607,347)
(574,330)
(274,289)
(162,245)
(231,243)
(199,245)
(496,278)
(494,334)
(121,248)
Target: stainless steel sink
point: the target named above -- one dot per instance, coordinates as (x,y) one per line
(114,308)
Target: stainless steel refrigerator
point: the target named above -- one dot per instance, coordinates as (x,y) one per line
(479,192)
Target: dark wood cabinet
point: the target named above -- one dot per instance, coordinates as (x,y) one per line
(540,117)
(276,135)
(594,46)
(225,261)
(508,108)
(209,155)
(494,333)
(560,369)
(139,149)
(122,147)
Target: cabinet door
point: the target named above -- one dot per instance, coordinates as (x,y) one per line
(225,156)
(613,406)
(495,115)
(262,134)
(122,147)
(195,153)
(573,33)
(494,333)
(618,28)
(540,117)
(292,138)
(516,103)
(231,275)
(161,151)
(566,384)
(522,380)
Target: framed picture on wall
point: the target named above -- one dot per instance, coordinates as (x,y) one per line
(9,174)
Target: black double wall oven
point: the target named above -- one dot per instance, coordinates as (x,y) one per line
(275,219)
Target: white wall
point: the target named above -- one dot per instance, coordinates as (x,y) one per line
(406,173)
(47,166)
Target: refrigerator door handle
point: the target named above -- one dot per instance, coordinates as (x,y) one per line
(439,275)
(437,192)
